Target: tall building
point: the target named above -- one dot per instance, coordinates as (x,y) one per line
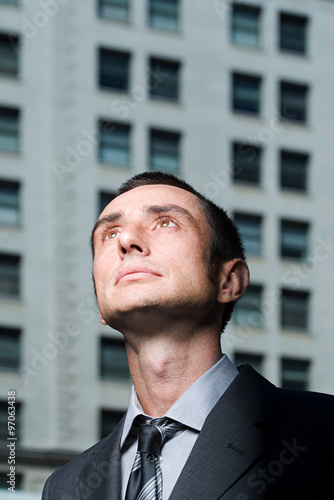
(236,99)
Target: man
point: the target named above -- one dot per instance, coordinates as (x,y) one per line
(168,268)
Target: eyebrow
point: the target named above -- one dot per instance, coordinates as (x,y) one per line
(151,209)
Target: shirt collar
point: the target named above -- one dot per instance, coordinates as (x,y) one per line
(192,408)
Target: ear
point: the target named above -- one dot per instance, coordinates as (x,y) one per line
(102,320)
(233,280)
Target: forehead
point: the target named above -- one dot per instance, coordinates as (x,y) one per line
(138,198)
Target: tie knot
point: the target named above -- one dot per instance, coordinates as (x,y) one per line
(152,434)
(149,439)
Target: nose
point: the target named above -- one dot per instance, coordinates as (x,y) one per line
(131,241)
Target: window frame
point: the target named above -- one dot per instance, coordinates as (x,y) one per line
(107,414)
(159,26)
(12,126)
(290,383)
(168,136)
(124,73)
(16,335)
(11,207)
(16,65)
(234,28)
(300,323)
(257,103)
(303,111)
(293,226)
(105,371)
(16,260)
(259,243)
(174,84)
(101,9)
(122,147)
(302,157)
(253,293)
(289,16)
(247,165)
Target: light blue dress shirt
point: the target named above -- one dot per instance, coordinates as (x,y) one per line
(191,409)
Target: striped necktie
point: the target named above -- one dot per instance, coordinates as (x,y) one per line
(145,481)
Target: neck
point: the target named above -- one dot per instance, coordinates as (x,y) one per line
(164,366)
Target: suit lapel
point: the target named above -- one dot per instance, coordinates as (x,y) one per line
(229,441)
(101,476)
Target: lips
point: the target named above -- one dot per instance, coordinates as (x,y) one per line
(131,273)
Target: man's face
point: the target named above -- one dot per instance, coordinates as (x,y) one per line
(152,247)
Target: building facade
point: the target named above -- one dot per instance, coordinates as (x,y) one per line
(236,99)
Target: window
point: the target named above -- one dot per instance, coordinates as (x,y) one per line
(9,275)
(108,421)
(294,168)
(250,230)
(9,129)
(113,359)
(9,202)
(4,421)
(293,33)
(10,2)
(248,308)
(245,358)
(294,239)
(295,374)
(104,199)
(164,14)
(9,61)
(114,9)
(246,163)
(165,151)
(246,93)
(293,103)
(114,69)
(245,26)
(294,310)
(9,348)
(166,85)
(114,145)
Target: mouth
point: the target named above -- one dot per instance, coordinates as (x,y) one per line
(135,273)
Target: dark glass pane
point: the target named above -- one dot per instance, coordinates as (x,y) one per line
(164,79)
(246,163)
(294,102)
(294,170)
(164,151)
(108,421)
(114,69)
(114,9)
(294,310)
(113,359)
(164,14)
(293,33)
(246,93)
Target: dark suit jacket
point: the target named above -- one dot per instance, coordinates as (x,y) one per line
(258,442)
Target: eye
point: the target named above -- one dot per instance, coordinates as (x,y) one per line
(165,222)
(111,234)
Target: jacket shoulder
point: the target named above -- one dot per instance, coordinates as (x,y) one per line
(96,458)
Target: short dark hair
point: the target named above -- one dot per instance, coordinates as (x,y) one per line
(226,243)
